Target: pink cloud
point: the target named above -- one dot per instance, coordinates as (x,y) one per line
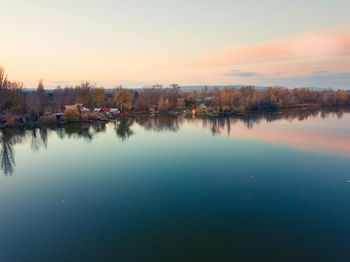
(269,63)
(319,44)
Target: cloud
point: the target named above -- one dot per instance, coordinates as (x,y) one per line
(241,74)
(60,82)
(326,43)
(288,60)
(335,80)
(321,72)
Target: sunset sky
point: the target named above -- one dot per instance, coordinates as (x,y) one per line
(136,43)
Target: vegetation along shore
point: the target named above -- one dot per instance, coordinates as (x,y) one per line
(87,102)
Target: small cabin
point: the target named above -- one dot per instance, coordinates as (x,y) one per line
(105,110)
(153,109)
(76,106)
(84,109)
(114,110)
(102,110)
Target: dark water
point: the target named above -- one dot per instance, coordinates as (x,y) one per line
(257,188)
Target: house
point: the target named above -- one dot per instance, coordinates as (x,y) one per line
(105,110)
(114,110)
(102,110)
(76,107)
(84,109)
(153,109)
(68,107)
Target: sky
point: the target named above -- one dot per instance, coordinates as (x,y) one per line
(136,43)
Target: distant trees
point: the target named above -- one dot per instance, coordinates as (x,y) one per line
(342,97)
(173,94)
(10,94)
(58,99)
(163,104)
(13,98)
(122,99)
(84,94)
(98,97)
(40,97)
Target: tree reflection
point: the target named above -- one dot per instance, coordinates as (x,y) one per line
(37,138)
(123,128)
(78,130)
(160,123)
(218,125)
(87,131)
(7,154)
(35,141)
(8,138)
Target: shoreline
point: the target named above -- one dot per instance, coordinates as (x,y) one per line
(108,118)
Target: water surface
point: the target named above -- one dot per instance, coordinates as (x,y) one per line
(256,188)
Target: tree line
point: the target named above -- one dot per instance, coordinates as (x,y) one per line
(14,98)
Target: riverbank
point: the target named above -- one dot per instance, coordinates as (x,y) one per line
(19,121)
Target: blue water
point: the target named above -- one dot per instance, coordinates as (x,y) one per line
(257,188)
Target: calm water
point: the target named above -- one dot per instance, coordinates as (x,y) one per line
(257,188)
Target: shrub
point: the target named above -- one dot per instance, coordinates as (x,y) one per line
(11,121)
(71,115)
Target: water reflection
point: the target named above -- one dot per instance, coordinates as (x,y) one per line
(319,133)
(38,139)
(160,123)
(8,138)
(123,128)
(306,130)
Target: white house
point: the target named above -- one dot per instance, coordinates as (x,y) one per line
(114,110)
(75,107)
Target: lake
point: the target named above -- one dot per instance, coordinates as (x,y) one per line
(261,187)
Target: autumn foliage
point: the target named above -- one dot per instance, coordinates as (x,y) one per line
(122,99)
(71,115)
